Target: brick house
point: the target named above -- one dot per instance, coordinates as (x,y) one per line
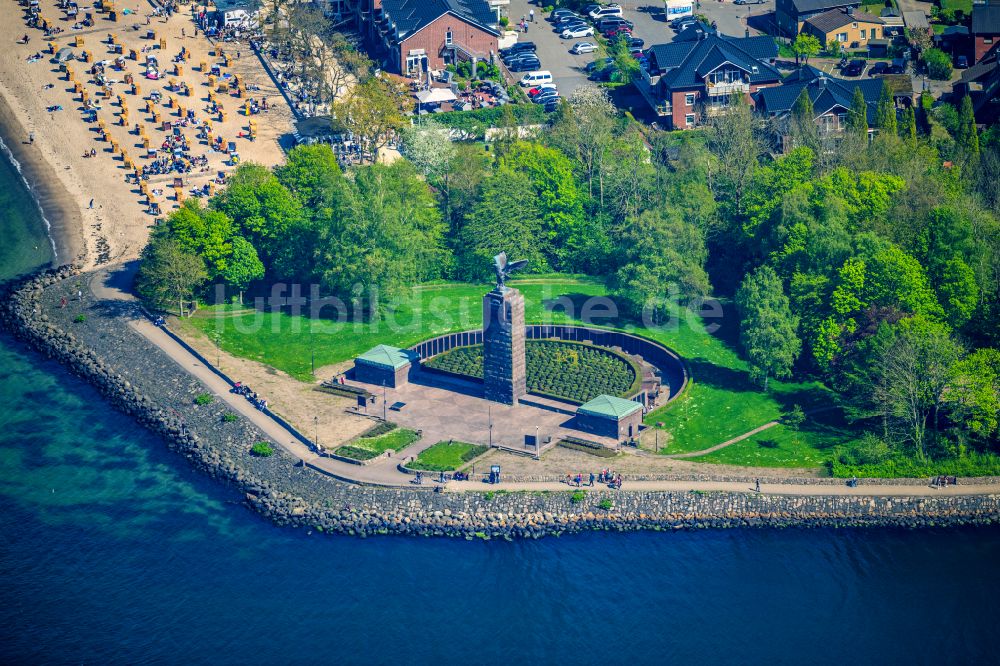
(985,29)
(831,99)
(845,25)
(790,15)
(694,77)
(411,37)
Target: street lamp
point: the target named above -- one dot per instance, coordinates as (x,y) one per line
(384,413)
(316,432)
(218,351)
(489,412)
(538,444)
(312,349)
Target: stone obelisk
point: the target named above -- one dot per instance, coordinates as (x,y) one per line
(503,342)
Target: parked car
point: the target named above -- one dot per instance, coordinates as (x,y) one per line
(583,47)
(589,8)
(558,13)
(961,62)
(525,65)
(591,66)
(749,2)
(878,68)
(547,97)
(609,10)
(610,21)
(635,41)
(551,106)
(854,68)
(894,69)
(537,90)
(574,25)
(520,47)
(568,18)
(617,30)
(518,57)
(573,33)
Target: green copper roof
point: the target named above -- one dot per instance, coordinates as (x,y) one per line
(609,407)
(385,356)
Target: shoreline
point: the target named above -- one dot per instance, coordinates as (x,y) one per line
(56,206)
(104,350)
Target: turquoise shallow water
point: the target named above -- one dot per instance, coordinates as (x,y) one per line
(113,551)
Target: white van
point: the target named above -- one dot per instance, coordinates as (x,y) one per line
(536,78)
(609,10)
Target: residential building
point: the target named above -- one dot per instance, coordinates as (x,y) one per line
(851,28)
(789,15)
(985,29)
(411,37)
(694,77)
(982,83)
(831,98)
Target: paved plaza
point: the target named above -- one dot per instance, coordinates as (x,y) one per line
(447,408)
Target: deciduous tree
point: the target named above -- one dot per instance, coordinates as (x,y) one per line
(767,326)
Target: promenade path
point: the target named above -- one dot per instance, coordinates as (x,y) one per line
(385,473)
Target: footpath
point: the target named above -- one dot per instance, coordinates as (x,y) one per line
(385,473)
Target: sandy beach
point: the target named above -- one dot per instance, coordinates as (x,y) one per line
(96,215)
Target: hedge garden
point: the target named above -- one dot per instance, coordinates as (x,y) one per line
(563,370)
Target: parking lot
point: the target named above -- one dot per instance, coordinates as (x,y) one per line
(568,69)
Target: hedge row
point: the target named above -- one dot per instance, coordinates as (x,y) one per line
(475,123)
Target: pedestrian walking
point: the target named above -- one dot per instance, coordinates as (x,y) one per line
(758,485)
(182,32)
(31,137)
(591,479)
(531,15)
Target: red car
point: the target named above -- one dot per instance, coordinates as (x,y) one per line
(617,30)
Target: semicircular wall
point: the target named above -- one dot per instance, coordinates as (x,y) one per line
(672,369)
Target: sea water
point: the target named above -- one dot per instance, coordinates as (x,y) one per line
(113,551)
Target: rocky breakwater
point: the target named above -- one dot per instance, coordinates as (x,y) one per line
(93,340)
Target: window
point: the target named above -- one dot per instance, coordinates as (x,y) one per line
(987,40)
(871,33)
(841,120)
(854,25)
(447,37)
(689,119)
(689,99)
(841,36)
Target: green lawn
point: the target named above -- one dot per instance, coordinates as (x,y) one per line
(963,5)
(447,456)
(360,448)
(721,403)
(780,446)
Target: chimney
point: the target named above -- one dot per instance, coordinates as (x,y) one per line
(850,11)
(821,81)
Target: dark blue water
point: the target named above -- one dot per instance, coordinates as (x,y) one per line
(113,551)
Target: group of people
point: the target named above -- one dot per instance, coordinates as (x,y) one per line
(610,477)
(242,389)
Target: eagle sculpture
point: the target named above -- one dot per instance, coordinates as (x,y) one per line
(504,269)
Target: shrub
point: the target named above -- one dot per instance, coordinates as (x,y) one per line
(380,428)
(794,418)
(229,417)
(577,496)
(79,319)
(262,450)
(203,399)
(869,450)
(605,504)
(938,64)
(563,370)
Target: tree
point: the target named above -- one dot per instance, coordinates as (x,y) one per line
(973,395)
(914,370)
(857,116)
(665,257)
(625,64)
(734,138)
(429,146)
(586,133)
(312,174)
(967,136)
(908,128)
(885,112)
(802,123)
(938,64)
(203,232)
(168,273)
(767,326)
(805,46)
(260,206)
(243,267)
(921,38)
(374,111)
(505,218)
